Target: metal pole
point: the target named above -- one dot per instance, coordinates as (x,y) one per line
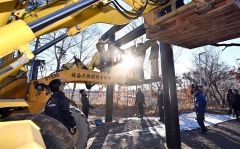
(48,45)
(200,71)
(109,103)
(127,96)
(112,30)
(137,32)
(34,69)
(200,68)
(170,97)
(109,93)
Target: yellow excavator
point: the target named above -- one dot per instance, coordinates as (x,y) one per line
(21,99)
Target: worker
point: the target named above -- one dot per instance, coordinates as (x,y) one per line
(139,52)
(200,106)
(236,103)
(230,100)
(57,106)
(140,101)
(154,60)
(85,103)
(160,107)
(99,58)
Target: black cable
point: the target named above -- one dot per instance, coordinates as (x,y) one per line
(127,14)
(126,11)
(158,2)
(138,13)
(122,13)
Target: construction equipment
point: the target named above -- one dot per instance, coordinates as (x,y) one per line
(19,25)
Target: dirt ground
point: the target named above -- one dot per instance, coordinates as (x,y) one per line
(136,134)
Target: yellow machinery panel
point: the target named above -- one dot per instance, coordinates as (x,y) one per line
(21,35)
(5,11)
(4,103)
(16,89)
(28,138)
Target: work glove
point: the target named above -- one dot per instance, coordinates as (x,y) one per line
(73,130)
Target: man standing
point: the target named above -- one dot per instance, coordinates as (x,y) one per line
(85,103)
(230,100)
(139,52)
(57,106)
(139,102)
(236,103)
(160,107)
(200,106)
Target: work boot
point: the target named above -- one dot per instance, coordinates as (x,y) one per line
(203,130)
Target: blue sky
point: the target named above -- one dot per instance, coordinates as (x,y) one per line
(229,56)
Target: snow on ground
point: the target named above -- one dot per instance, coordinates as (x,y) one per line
(187,121)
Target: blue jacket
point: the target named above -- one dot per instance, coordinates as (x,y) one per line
(200,103)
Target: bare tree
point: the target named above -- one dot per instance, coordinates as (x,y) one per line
(216,78)
(61,48)
(86,46)
(87,40)
(81,46)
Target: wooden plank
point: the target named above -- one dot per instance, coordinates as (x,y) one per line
(210,35)
(189,22)
(191,30)
(213,29)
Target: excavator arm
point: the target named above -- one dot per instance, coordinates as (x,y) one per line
(74,15)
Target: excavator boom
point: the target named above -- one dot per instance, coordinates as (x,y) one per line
(74,15)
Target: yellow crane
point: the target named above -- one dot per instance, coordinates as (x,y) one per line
(18,27)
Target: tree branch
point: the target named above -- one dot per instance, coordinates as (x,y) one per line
(225,45)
